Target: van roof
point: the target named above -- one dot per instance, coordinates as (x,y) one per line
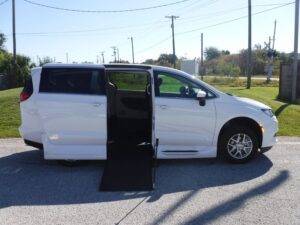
(86,65)
(63,65)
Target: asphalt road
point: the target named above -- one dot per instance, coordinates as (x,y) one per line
(201,191)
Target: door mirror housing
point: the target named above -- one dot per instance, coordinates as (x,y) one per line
(201,97)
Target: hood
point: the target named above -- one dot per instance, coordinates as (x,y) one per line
(251,102)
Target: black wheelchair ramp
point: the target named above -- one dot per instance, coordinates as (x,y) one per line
(128,168)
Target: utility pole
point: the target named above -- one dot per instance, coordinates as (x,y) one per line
(132,49)
(274,34)
(97,59)
(14,66)
(14,32)
(102,54)
(173,38)
(38,61)
(118,54)
(271,52)
(249,68)
(295,62)
(202,69)
(67,57)
(114,53)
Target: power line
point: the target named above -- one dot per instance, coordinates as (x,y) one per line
(206,27)
(194,5)
(180,33)
(88,30)
(157,43)
(231,20)
(200,17)
(105,11)
(132,26)
(3,2)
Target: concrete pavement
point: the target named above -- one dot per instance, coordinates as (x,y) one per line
(201,191)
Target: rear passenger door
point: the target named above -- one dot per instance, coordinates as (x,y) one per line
(72,107)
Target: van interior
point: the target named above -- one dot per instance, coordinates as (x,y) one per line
(129,132)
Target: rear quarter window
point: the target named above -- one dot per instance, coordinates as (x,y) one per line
(72,81)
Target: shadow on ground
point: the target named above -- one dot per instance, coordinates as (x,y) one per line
(26,179)
(281,109)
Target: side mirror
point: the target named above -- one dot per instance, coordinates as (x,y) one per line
(201,97)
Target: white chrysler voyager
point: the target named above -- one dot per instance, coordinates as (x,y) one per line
(64,112)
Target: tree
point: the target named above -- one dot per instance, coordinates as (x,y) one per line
(45,60)
(212,53)
(225,52)
(229,69)
(166,59)
(150,62)
(258,61)
(2,40)
(14,76)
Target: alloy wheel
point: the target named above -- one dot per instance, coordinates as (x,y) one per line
(239,146)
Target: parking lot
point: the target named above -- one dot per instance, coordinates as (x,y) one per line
(199,191)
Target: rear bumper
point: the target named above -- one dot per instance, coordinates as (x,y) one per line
(34,144)
(30,134)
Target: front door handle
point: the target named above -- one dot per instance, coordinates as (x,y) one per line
(164,106)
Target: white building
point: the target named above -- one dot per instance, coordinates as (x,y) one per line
(190,66)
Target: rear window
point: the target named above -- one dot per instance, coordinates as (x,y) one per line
(73,81)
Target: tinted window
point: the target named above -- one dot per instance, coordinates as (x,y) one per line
(171,85)
(73,81)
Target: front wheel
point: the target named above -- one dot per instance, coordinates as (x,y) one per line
(238,144)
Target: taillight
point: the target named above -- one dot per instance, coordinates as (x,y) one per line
(27,90)
(24,96)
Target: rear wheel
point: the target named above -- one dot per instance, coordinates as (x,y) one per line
(238,144)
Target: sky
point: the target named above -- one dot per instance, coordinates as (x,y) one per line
(43,31)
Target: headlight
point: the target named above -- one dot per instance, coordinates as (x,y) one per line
(268,112)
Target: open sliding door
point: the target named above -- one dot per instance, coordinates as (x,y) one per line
(130,129)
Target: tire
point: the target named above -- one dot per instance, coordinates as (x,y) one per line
(238,144)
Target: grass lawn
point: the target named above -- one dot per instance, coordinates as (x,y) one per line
(288,114)
(9,113)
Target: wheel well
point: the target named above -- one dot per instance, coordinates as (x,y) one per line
(243,121)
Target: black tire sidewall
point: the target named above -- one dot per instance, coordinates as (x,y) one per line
(229,132)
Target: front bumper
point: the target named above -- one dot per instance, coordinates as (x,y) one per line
(269,136)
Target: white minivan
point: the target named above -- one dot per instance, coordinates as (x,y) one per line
(64,111)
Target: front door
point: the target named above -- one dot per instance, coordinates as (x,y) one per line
(184,128)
